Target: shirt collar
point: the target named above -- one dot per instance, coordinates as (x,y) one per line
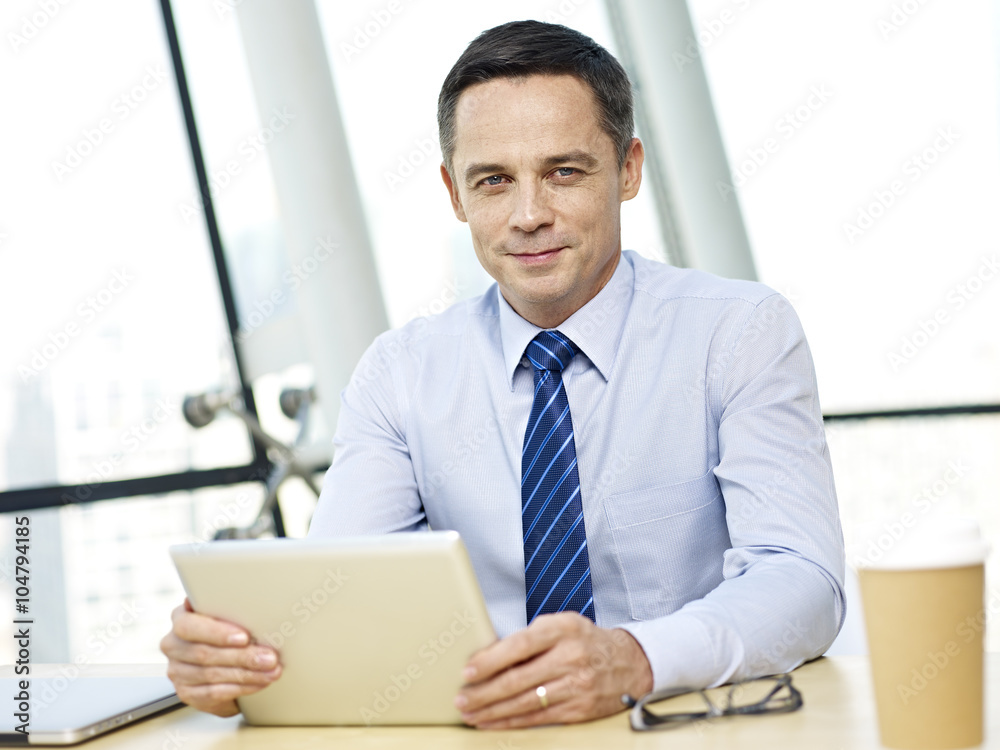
(596,327)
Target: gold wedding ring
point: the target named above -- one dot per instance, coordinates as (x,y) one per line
(543,696)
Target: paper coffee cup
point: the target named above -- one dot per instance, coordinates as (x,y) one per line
(923,602)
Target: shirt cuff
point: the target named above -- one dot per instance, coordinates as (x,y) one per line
(681,652)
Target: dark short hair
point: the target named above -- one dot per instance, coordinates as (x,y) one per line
(524,48)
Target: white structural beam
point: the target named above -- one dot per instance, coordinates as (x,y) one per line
(687,162)
(339,297)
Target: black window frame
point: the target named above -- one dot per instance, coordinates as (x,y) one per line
(37,498)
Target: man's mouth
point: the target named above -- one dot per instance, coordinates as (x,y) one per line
(537,257)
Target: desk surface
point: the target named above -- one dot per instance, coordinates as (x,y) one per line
(838,712)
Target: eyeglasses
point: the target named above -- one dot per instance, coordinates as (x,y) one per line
(769,695)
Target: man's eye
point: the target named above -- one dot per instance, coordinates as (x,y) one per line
(493,180)
(566,171)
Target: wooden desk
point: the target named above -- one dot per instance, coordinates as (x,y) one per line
(839,712)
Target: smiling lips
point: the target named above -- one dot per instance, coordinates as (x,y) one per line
(539,258)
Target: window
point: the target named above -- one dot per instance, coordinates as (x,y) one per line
(104,286)
(863,141)
(112,315)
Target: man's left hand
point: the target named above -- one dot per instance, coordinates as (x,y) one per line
(583,668)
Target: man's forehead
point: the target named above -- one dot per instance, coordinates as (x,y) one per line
(548,113)
(498,93)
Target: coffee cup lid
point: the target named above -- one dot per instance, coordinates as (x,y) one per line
(907,542)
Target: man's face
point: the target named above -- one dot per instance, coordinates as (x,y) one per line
(537,179)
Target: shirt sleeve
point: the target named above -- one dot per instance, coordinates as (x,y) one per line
(370,487)
(781,602)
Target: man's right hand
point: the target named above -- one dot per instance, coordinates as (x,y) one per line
(212,662)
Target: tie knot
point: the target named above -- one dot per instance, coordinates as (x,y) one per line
(550,350)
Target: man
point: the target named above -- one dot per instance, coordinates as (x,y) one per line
(633,453)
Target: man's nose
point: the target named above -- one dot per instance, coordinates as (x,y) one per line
(531,208)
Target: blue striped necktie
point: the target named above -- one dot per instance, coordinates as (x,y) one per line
(556,563)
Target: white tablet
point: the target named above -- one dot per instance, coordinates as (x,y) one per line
(65,711)
(370,630)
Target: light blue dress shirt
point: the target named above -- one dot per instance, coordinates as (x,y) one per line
(708,497)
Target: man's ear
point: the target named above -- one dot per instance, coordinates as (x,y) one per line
(631,174)
(456,201)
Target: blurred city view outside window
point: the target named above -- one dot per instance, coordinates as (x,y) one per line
(112,314)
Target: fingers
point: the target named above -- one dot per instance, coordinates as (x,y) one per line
(212,662)
(191,626)
(510,670)
(584,669)
(218,699)
(205,641)
(256,657)
(541,635)
(526,708)
(210,678)
(192,674)
(507,685)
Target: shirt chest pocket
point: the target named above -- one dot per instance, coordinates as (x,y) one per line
(669,542)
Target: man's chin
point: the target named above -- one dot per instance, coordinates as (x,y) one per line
(540,293)
(538,303)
